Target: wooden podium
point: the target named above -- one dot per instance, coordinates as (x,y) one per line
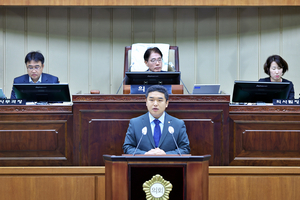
(125,175)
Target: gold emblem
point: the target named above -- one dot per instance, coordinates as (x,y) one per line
(157,188)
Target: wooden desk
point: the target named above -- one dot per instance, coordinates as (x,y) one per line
(264,135)
(36,135)
(232,135)
(101,121)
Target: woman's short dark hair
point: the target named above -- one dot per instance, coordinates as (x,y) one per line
(151,50)
(280,62)
(158,88)
(34,55)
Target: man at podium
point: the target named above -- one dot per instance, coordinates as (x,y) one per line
(156,132)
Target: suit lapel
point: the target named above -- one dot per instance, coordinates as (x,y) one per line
(26,79)
(146,122)
(167,123)
(44,78)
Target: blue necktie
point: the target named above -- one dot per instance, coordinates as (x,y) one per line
(157,132)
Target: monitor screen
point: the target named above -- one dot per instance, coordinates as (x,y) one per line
(253,91)
(152,78)
(41,92)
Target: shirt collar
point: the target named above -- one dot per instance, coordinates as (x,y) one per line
(39,81)
(161,119)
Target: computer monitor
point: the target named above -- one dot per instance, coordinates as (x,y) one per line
(41,92)
(253,91)
(152,78)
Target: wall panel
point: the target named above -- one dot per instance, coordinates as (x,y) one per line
(164,25)
(207,48)
(101,48)
(270,35)
(291,44)
(228,48)
(143,24)
(122,36)
(14,46)
(185,39)
(248,43)
(85,46)
(36,26)
(80,48)
(58,44)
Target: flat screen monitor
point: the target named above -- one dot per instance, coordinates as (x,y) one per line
(41,92)
(152,78)
(253,91)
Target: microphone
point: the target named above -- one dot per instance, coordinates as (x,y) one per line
(121,85)
(129,70)
(171,130)
(144,131)
(171,64)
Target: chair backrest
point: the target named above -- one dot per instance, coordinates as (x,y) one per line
(173,58)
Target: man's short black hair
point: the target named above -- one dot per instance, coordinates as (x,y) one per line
(151,50)
(34,55)
(158,88)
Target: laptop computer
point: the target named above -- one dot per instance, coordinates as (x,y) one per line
(2,95)
(206,89)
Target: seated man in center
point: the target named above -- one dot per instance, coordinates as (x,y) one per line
(153,59)
(155,127)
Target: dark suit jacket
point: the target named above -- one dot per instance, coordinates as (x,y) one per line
(166,143)
(291,94)
(46,78)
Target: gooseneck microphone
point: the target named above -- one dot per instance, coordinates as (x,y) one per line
(171,131)
(144,131)
(121,85)
(129,70)
(172,65)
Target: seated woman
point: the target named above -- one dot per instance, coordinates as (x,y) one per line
(153,59)
(275,67)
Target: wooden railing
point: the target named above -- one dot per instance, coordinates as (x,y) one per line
(150,3)
(76,183)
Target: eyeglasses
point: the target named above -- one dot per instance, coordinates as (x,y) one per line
(153,60)
(34,68)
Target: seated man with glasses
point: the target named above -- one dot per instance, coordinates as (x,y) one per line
(153,59)
(35,64)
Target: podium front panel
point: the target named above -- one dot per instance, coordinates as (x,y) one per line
(140,173)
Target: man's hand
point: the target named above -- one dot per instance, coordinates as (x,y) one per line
(156,151)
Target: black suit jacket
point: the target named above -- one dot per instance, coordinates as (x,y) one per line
(291,94)
(166,142)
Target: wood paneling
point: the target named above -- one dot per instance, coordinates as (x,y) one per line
(264,135)
(64,183)
(149,3)
(60,183)
(36,135)
(260,183)
(101,121)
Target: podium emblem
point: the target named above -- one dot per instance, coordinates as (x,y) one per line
(157,188)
